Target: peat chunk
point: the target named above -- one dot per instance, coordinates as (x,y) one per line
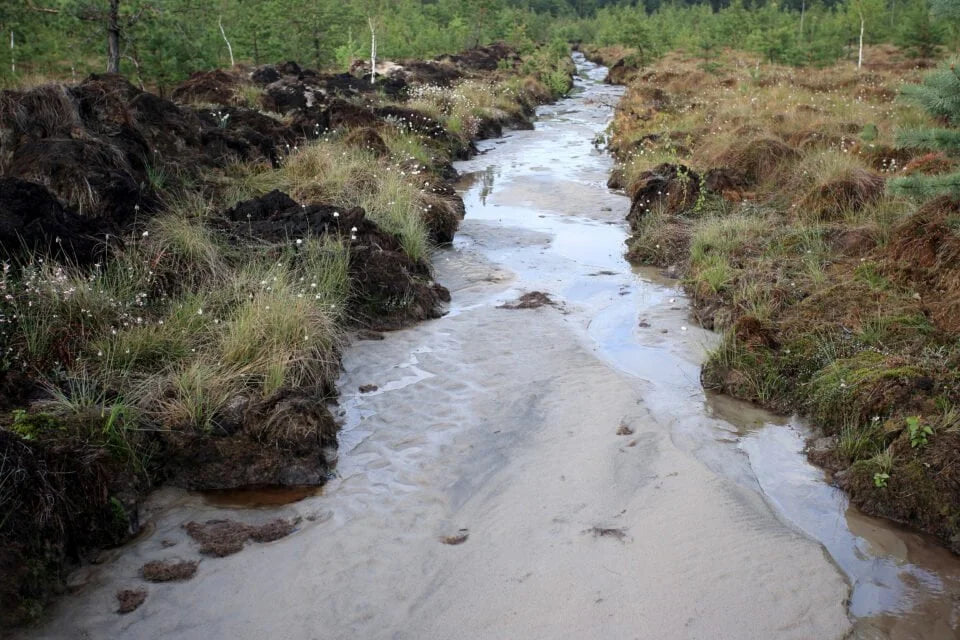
(674,187)
(214,87)
(278,218)
(266,74)
(130,600)
(168,571)
(32,221)
(284,441)
(94,177)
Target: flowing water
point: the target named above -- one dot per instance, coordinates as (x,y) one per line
(593,488)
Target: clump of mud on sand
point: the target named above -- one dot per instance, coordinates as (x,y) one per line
(532,300)
(168,571)
(225,537)
(609,532)
(458,538)
(129,599)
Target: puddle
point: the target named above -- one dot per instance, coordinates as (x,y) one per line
(256,497)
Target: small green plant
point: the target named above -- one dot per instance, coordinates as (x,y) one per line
(30,425)
(918,432)
(118,421)
(157,177)
(880,480)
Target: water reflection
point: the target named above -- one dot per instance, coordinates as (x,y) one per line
(482,179)
(905,585)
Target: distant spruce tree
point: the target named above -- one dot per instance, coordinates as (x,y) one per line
(920,32)
(939,95)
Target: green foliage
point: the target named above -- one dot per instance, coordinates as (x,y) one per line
(880,480)
(932,139)
(918,432)
(939,95)
(920,33)
(29,426)
(924,187)
(163,42)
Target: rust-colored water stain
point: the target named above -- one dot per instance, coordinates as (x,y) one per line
(253,497)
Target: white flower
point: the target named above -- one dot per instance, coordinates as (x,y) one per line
(299,241)
(145,234)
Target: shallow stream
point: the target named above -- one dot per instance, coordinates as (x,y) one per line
(593,488)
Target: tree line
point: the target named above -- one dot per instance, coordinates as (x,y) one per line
(159,42)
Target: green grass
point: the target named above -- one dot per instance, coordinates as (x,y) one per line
(349,177)
(842,391)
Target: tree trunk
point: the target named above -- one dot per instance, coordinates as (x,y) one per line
(373,52)
(860,54)
(224,34)
(803,10)
(113,37)
(13,58)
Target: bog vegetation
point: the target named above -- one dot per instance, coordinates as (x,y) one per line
(812,215)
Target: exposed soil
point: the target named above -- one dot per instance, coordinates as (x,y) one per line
(531,300)
(168,570)
(618,534)
(457,538)
(225,537)
(130,600)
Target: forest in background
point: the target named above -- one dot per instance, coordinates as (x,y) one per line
(160,42)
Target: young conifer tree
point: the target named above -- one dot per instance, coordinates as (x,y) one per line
(920,32)
(939,95)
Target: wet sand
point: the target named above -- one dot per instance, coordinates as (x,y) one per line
(594,489)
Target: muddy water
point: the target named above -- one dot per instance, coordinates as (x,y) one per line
(594,489)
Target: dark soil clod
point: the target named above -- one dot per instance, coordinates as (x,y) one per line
(168,571)
(458,538)
(225,537)
(532,300)
(368,388)
(609,532)
(130,599)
